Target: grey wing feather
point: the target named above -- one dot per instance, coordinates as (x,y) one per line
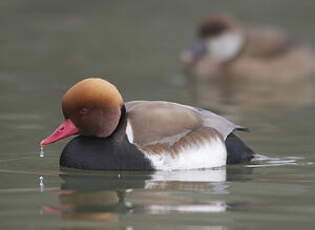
(212,120)
(222,125)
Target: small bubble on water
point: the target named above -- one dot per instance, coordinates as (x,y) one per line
(41,153)
(41,184)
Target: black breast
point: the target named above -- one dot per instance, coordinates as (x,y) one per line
(103,154)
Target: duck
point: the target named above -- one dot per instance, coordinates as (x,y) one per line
(142,135)
(225,48)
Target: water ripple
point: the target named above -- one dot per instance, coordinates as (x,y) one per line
(261,161)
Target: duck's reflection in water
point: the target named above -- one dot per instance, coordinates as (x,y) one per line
(191,180)
(245,93)
(119,199)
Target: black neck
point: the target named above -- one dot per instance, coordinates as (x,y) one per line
(110,153)
(120,131)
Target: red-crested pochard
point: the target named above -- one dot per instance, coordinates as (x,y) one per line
(141,135)
(225,48)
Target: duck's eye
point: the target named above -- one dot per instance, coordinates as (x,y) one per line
(84,111)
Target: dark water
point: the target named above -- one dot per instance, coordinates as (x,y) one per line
(46,46)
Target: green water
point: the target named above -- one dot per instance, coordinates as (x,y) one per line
(46,46)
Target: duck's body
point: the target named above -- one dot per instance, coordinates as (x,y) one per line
(156,135)
(233,51)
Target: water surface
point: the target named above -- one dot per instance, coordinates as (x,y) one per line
(47,46)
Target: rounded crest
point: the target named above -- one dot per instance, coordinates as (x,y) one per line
(90,92)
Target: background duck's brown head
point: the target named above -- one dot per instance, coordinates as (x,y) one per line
(216,25)
(220,38)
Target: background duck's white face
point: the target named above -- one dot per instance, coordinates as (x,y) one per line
(225,46)
(219,38)
(219,48)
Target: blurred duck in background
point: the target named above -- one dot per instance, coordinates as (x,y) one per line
(226,49)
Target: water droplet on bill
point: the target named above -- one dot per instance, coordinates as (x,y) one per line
(41,153)
(41,184)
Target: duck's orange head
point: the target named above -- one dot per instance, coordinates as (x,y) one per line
(92,107)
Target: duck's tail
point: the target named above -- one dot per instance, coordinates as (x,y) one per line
(237,150)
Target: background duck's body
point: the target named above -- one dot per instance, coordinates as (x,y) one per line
(249,52)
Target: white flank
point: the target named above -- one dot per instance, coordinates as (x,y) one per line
(225,46)
(129,132)
(197,175)
(208,154)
